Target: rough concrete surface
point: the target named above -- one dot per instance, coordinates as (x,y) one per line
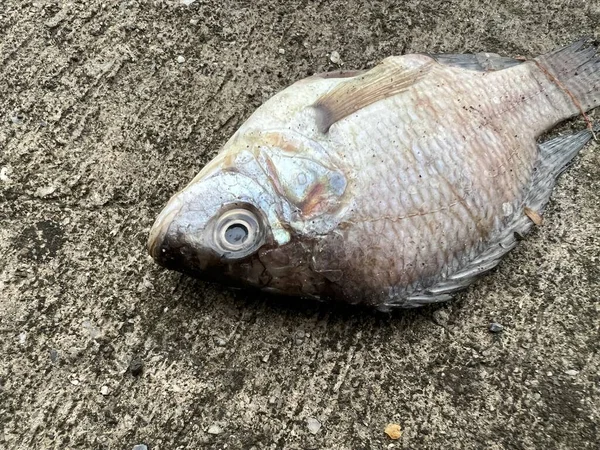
(108,107)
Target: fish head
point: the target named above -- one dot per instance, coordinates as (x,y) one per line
(213,225)
(251,215)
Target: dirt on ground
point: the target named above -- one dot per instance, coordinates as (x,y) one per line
(108,107)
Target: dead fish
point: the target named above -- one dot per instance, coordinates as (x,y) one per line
(393,187)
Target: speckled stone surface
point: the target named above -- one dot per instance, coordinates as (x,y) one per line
(107,108)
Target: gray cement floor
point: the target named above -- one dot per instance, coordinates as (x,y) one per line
(100,348)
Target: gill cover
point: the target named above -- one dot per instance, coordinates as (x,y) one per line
(300,173)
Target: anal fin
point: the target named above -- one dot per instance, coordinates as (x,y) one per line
(555,156)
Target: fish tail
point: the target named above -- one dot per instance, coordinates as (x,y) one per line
(576,71)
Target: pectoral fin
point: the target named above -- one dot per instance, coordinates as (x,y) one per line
(393,76)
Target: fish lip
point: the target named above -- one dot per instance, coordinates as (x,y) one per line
(161,227)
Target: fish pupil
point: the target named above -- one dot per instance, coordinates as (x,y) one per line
(236,234)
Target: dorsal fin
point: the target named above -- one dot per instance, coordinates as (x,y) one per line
(481,62)
(392,76)
(337,74)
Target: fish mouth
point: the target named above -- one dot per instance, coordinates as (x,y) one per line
(161,226)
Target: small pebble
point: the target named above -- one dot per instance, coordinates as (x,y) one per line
(89,327)
(495,327)
(313,425)
(335,57)
(54,355)
(42,192)
(180,59)
(572,372)
(22,337)
(75,382)
(140,447)
(393,430)
(214,429)
(441,316)
(17,119)
(281,51)
(299,337)
(194,21)
(104,390)
(220,342)
(4,172)
(136,367)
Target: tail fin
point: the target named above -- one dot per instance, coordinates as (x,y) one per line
(576,70)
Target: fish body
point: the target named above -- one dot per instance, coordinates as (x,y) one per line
(393,187)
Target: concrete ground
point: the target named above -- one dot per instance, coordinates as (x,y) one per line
(101,121)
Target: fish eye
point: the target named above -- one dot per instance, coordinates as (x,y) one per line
(238,233)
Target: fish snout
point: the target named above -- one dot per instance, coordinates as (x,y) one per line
(176,240)
(160,239)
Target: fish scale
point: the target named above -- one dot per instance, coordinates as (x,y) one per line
(396,186)
(397,159)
